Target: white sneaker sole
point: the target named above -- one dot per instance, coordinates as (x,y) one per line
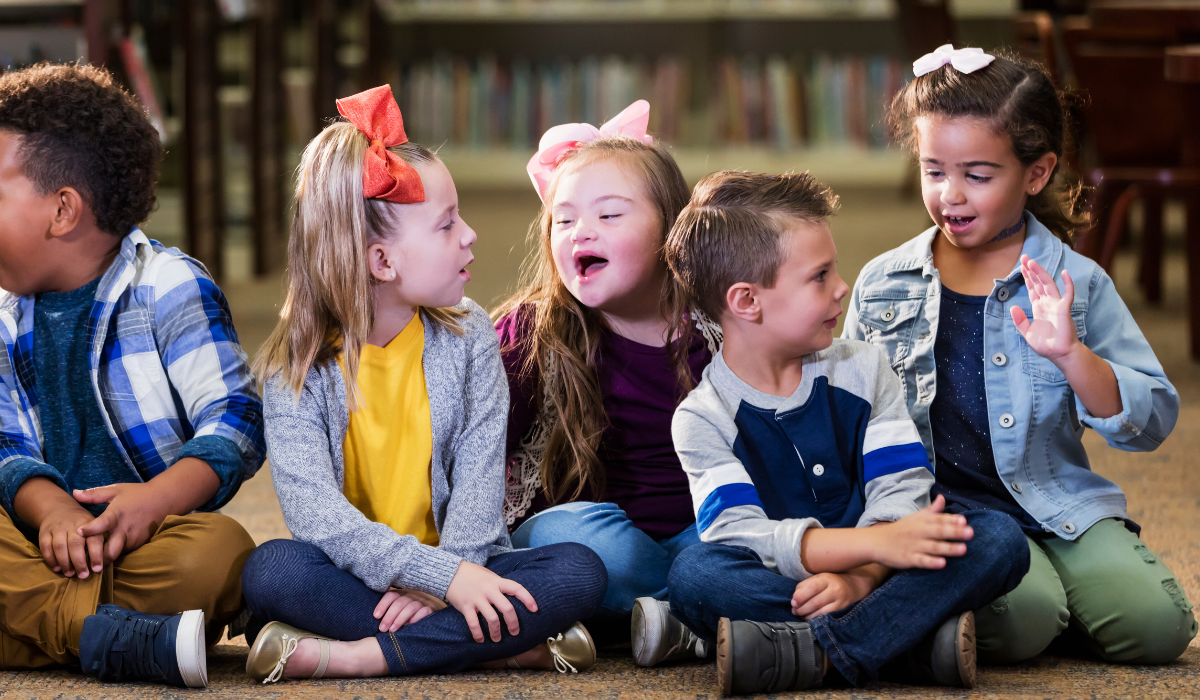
(190,650)
(647,627)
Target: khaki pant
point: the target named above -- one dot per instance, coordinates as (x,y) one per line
(192,562)
(1108,585)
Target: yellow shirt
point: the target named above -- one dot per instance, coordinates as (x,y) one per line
(389,442)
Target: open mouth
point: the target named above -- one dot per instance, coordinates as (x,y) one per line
(588,265)
(959,221)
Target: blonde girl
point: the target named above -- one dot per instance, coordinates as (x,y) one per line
(599,350)
(386,408)
(1010,344)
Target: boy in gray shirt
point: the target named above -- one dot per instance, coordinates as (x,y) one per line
(809,481)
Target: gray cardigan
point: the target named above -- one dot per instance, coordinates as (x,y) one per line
(468,407)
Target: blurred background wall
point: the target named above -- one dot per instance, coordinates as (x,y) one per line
(237,87)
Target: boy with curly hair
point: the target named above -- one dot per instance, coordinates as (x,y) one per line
(126,402)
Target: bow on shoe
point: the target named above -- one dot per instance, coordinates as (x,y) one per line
(632,121)
(385,174)
(963,60)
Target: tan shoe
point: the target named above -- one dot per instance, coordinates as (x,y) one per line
(275,645)
(573,650)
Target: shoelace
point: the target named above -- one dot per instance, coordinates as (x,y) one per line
(135,647)
(560,664)
(290,644)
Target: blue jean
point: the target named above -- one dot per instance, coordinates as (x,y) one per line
(637,565)
(298,584)
(712,581)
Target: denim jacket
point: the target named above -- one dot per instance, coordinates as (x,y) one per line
(1037,421)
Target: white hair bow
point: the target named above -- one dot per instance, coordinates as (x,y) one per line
(963,60)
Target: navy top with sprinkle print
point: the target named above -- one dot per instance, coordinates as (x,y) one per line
(966,468)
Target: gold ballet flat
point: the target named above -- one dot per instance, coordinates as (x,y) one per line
(274,646)
(573,650)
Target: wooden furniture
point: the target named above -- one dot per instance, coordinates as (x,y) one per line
(203,193)
(1133,128)
(1182,67)
(1033,38)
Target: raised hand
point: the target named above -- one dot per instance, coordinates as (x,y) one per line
(1052,332)
(476,591)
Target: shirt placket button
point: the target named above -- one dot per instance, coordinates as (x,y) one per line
(999,359)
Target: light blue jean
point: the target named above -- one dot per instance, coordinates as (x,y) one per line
(637,564)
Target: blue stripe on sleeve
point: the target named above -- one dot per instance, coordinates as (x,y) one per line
(896,458)
(727,496)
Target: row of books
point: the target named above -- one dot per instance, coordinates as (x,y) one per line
(784,102)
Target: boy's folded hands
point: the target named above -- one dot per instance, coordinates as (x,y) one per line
(922,540)
(825,593)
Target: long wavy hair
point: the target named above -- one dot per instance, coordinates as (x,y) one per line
(564,344)
(1017,98)
(329,308)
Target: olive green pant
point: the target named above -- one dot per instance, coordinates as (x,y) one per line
(1107,584)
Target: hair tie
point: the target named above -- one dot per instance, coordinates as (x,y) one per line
(385,175)
(558,140)
(963,60)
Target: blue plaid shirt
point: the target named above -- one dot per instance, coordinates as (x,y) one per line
(166,367)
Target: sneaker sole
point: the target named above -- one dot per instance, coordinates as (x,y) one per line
(190,651)
(966,656)
(724,657)
(647,627)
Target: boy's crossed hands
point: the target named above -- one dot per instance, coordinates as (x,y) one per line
(74,543)
(852,562)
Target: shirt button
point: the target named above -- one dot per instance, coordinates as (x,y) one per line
(1007,420)
(1068,528)
(818,470)
(887,315)
(1002,294)
(999,359)
(1016,487)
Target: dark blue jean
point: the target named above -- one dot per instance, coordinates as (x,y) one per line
(711,581)
(296,583)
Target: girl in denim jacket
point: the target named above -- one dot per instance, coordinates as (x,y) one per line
(1008,344)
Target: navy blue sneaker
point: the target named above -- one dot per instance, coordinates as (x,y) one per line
(122,645)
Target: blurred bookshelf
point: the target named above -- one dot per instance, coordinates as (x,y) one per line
(767,85)
(663,10)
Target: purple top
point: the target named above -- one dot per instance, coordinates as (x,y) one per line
(640,394)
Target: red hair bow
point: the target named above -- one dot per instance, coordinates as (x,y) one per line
(385,174)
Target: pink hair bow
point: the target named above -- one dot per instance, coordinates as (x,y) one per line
(385,174)
(963,60)
(558,140)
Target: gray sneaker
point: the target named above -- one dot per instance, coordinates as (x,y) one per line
(767,657)
(657,636)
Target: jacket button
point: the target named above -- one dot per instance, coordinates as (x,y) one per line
(1002,294)
(887,315)
(1007,420)
(1016,487)
(999,359)
(1068,528)
(818,470)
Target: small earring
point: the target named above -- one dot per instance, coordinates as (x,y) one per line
(1033,190)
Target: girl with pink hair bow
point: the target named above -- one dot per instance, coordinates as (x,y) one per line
(599,349)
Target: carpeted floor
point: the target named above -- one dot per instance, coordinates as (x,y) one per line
(1163,492)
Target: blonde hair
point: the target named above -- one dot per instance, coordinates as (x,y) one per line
(565,343)
(329,307)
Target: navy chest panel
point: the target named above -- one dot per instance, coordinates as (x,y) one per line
(782,452)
